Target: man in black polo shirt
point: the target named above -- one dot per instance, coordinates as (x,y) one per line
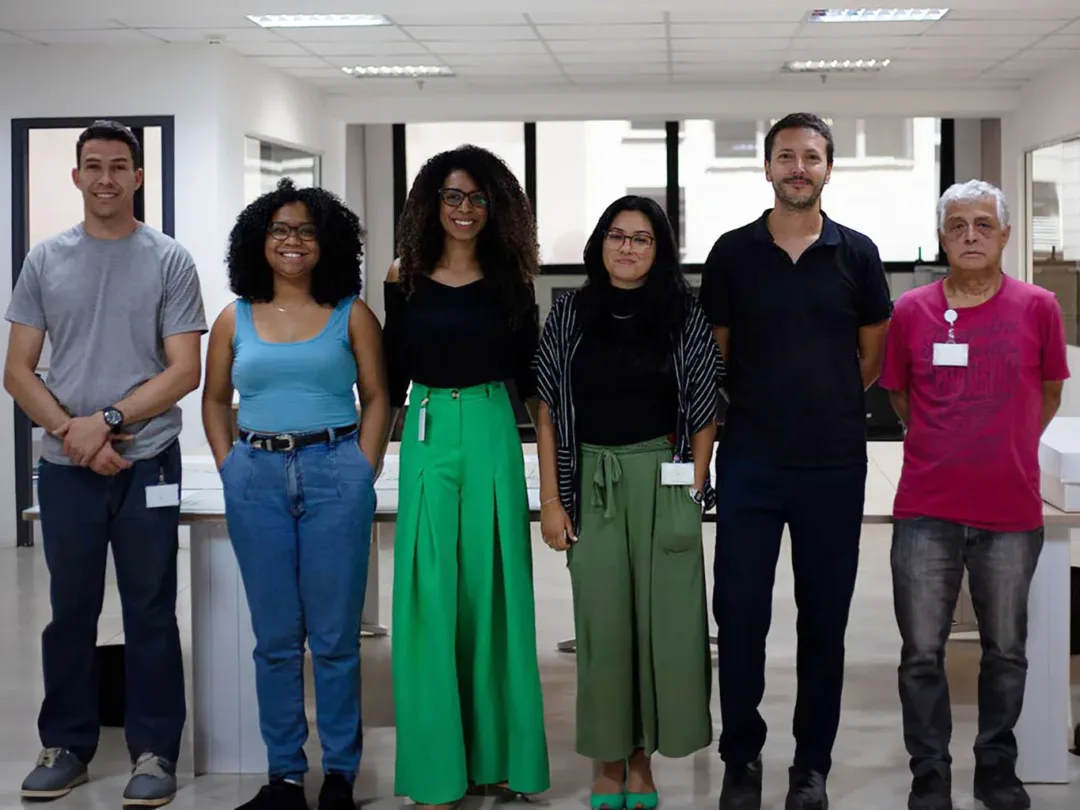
(800,306)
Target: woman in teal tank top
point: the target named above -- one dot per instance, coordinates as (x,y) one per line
(299,479)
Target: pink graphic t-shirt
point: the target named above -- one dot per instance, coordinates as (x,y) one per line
(971,454)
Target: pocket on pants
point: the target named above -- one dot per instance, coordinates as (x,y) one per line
(679,527)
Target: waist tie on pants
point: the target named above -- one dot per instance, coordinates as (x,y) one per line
(608,473)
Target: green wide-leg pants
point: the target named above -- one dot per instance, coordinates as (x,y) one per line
(467,695)
(638,576)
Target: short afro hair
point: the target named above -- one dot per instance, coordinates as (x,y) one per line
(506,248)
(340,236)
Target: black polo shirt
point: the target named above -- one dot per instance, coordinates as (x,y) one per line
(793,376)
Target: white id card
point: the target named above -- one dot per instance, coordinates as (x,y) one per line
(674,474)
(951,354)
(162,495)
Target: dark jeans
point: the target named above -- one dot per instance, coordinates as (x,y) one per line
(82,513)
(823,509)
(928,560)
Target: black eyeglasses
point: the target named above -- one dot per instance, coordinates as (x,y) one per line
(455,197)
(639,242)
(280,231)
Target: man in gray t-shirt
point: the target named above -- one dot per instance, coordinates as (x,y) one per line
(121,306)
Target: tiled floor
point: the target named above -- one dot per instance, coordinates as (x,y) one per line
(870,771)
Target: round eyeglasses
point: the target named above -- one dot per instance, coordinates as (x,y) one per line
(280,231)
(455,197)
(639,242)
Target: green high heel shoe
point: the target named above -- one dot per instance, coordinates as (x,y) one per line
(608,801)
(642,801)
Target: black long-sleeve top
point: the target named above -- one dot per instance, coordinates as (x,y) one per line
(456,337)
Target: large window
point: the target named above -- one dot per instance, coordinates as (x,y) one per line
(424,141)
(885,181)
(266,163)
(1054,226)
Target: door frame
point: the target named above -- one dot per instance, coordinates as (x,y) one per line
(20,238)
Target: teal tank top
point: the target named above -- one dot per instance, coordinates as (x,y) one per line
(298,387)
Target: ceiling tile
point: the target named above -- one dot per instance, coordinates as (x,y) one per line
(502,46)
(653,57)
(846,44)
(384,33)
(388,59)
(1061,41)
(508,69)
(691,60)
(741,45)
(318,73)
(1018,13)
(750,15)
(292,61)
(267,48)
(733,30)
(978,28)
(601,32)
(608,46)
(246,34)
(595,17)
(1040,54)
(34,22)
(863,30)
(113,36)
(1071,28)
(486,18)
(466,33)
(973,43)
(12,39)
(543,57)
(372,48)
(616,69)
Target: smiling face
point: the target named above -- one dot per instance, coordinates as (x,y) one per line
(463,206)
(292,244)
(973,236)
(107,177)
(629,249)
(798,167)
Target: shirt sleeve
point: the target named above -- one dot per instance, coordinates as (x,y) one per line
(549,352)
(397,372)
(875,301)
(183,310)
(26,307)
(715,292)
(526,340)
(896,360)
(1055,363)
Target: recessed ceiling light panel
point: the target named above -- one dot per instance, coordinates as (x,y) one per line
(843,15)
(317,20)
(836,65)
(398,71)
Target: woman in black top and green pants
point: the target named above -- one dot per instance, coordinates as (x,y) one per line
(628,375)
(461,321)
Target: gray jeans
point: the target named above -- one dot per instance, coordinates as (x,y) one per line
(928,560)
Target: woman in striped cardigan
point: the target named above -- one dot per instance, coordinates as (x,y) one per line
(628,376)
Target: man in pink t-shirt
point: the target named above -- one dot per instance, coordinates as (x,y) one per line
(974,366)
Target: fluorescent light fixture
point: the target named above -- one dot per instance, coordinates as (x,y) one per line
(843,15)
(317,20)
(836,65)
(398,71)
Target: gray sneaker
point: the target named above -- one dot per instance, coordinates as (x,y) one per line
(57,773)
(152,783)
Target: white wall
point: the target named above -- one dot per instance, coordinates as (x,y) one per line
(217,98)
(1042,117)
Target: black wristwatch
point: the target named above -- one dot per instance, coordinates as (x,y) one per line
(113,418)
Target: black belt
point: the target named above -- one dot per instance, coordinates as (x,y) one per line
(285,442)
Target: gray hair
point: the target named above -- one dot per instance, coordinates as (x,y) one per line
(971,191)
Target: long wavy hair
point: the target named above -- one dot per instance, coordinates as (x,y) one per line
(506,248)
(669,291)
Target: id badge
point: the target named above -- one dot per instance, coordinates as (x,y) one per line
(675,474)
(161,495)
(951,354)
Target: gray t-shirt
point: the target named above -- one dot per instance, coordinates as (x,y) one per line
(107,306)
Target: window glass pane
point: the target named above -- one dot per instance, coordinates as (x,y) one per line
(504,138)
(737,139)
(1054,224)
(581,168)
(888,138)
(266,163)
(892,203)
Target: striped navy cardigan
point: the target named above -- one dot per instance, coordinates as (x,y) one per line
(699,371)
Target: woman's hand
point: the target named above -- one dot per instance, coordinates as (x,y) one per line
(556,527)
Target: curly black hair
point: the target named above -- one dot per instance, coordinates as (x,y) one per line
(506,248)
(341,245)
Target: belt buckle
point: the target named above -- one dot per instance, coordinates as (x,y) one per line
(290,441)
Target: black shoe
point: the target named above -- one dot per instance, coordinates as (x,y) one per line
(930,791)
(742,787)
(997,787)
(336,793)
(278,795)
(806,791)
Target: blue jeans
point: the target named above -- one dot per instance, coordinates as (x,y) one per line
(823,509)
(82,514)
(300,524)
(928,561)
